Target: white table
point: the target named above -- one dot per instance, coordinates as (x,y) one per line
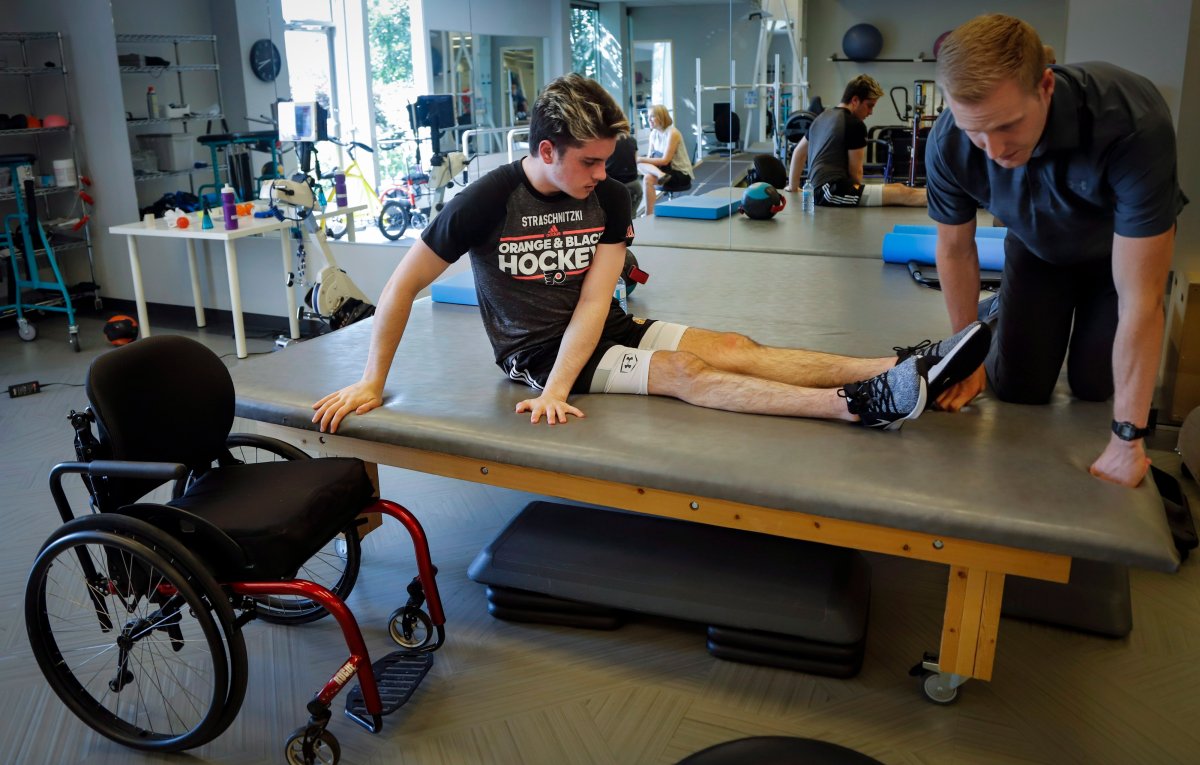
(247,226)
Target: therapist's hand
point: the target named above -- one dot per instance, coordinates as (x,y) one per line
(555,409)
(962,393)
(1123,462)
(360,398)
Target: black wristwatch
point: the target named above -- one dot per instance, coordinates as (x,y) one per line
(1127,431)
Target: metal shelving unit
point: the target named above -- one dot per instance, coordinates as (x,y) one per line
(45,144)
(126,41)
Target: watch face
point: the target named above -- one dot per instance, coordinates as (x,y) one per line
(265,60)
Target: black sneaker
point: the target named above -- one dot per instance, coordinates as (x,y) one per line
(951,360)
(887,400)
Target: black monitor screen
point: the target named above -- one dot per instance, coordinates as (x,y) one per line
(434,112)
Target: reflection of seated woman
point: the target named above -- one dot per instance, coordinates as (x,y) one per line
(668,165)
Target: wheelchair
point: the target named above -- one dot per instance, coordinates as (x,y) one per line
(135,610)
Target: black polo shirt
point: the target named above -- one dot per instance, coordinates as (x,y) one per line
(1105,164)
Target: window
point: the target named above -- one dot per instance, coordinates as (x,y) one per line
(585,39)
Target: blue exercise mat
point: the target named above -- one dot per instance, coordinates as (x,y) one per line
(981,232)
(698,207)
(902,248)
(458,289)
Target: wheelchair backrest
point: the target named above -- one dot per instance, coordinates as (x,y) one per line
(160,399)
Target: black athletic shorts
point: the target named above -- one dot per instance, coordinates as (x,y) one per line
(532,366)
(842,193)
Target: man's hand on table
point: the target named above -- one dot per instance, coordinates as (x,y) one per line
(360,398)
(1123,462)
(556,409)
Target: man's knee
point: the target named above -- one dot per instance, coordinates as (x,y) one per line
(733,345)
(676,373)
(1018,388)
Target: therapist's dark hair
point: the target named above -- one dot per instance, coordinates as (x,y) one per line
(979,55)
(574,109)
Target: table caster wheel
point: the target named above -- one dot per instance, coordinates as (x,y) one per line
(73,339)
(938,689)
(410,627)
(26,331)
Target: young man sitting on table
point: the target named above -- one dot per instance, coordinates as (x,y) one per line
(547,235)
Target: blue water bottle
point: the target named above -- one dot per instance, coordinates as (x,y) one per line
(807,201)
(229,208)
(620,295)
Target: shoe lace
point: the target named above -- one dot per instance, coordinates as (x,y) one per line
(877,390)
(904,351)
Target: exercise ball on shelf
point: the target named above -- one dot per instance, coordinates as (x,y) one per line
(937,44)
(862,42)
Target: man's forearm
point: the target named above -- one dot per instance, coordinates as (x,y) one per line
(958,273)
(578,344)
(1136,351)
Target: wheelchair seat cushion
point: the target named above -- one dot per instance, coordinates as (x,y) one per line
(281,513)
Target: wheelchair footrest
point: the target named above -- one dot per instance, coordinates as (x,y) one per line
(398,674)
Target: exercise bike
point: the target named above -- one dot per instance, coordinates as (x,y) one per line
(924,93)
(333,298)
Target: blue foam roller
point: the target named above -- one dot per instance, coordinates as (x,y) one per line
(458,289)
(901,248)
(982,232)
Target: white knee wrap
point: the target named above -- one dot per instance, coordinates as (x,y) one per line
(872,196)
(662,336)
(623,370)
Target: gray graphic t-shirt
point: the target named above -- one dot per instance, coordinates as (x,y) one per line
(529,252)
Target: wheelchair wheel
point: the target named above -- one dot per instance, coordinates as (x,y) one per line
(335,566)
(393,220)
(134,635)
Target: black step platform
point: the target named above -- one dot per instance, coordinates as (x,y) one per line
(774,601)
(398,674)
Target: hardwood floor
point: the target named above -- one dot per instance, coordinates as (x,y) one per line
(646,693)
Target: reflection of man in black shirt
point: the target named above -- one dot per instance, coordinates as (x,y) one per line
(1079,162)
(546,237)
(622,167)
(835,148)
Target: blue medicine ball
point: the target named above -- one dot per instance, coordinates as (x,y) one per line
(761,201)
(862,42)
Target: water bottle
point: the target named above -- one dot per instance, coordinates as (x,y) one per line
(229,207)
(807,202)
(151,103)
(339,189)
(620,295)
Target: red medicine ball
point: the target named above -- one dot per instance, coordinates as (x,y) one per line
(121,329)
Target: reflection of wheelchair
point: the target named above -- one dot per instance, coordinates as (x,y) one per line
(135,612)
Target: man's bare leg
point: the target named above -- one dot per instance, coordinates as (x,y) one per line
(899,195)
(687,377)
(731,352)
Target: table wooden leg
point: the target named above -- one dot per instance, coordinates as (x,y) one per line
(971,623)
(235,299)
(139,294)
(195,274)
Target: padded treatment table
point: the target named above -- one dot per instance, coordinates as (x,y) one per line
(845,232)
(717,171)
(996,490)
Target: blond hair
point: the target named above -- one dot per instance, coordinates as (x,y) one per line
(662,117)
(979,55)
(574,109)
